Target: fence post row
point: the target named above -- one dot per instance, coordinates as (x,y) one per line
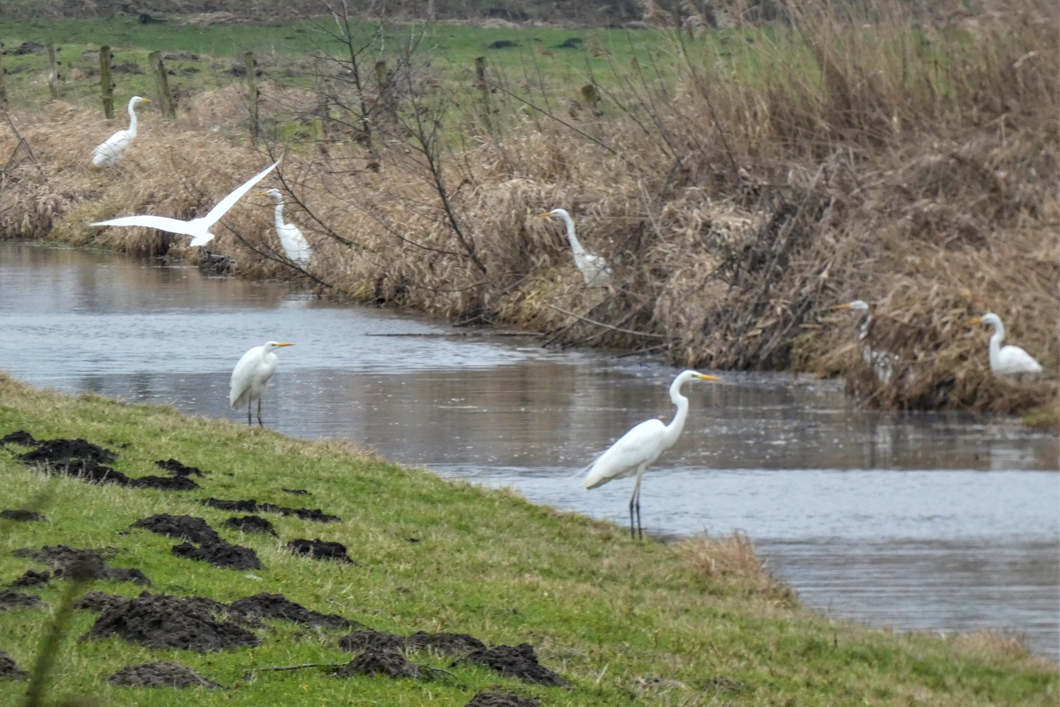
(165,98)
(105,85)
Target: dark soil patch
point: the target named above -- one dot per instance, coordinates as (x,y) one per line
(165,621)
(87,461)
(21,437)
(501,699)
(374,662)
(58,452)
(569,43)
(178,469)
(297,492)
(17,600)
(502,44)
(161,674)
(70,562)
(29,47)
(32,578)
(180,528)
(251,524)
(9,669)
(457,645)
(100,601)
(517,662)
(320,550)
(164,483)
(127,67)
(373,640)
(277,606)
(252,506)
(21,515)
(181,56)
(220,554)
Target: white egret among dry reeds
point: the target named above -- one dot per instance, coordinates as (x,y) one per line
(1006,360)
(251,375)
(642,445)
(883,362)
(593,267)
(199,228)
(111,150)
(293,242)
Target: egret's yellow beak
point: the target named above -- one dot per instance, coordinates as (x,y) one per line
(977,320)
(547,213)
(279,345)
(262,193)
(705,377)
(842,306)
(146,100)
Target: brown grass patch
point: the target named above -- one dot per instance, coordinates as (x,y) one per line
(733,562)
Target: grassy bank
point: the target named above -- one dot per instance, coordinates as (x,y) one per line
(693,624)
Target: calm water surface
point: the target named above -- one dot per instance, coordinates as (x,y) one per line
(930,522)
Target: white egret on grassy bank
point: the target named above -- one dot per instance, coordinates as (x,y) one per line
(251,375)
(883,362)
(111,150)
(293,242)
(199,228)
(642,445)
(593,267)
(1006,360)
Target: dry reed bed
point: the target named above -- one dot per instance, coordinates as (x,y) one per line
(735,212)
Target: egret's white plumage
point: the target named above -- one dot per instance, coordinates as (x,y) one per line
(1006,360)
(883,362)
(593,267)
(293,242)
(111,150)
(199,228)
(642,445)
(251,375)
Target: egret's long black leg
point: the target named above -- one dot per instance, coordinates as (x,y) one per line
(249,420)
(640,531)
(631,499)
(259,414)
(634,502)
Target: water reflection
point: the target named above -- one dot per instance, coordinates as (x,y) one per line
(947,529)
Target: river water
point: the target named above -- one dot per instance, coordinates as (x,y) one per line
(936,522)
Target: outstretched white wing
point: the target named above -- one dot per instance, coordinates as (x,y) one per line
(229,201)
(162,223)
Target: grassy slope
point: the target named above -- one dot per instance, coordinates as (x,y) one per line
(600,609)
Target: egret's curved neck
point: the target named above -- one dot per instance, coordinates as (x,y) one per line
(574,244)
(672,431)
(863,333)
(279,212)
(995,343)
(132,120)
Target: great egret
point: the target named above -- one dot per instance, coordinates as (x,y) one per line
(199,228)
(642,445)
(1006,360)
(110,152)
(251,375)
(593,267)
(883,362)
(292,240)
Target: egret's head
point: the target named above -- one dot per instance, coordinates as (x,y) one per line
(855,306)
(988,318)
(137,99)
(275,345)
(554,212)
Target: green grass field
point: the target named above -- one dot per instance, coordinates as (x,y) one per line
(620,620)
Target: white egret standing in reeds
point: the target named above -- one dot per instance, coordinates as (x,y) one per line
(593,267)
(111,150)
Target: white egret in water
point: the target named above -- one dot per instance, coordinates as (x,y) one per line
(293,242)
(251,375)
(883,362)
(593,267)
(199,228)
(642,445)
(110,152)
(1006,360)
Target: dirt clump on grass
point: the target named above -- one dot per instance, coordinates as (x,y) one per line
(10,599)
(457,645)
(188,528)
(320,550)
(166,621)
(21,437)
(297,492)
(161,674)
(376,661)
(9,669)
(87,461)
(517,662)
(21,515)
(373,640)
(221,554)
(251,524)
(501,699)
(279,607)
(32,578)
(179,469)
(99,601)
(85,564)
(252,506)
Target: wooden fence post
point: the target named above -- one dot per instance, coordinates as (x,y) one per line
(252,90)
(105,85)
(480,73)
(53,76)
(323,99)
(3,91)
(165,98)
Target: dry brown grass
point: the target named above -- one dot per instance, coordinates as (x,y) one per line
(731,561)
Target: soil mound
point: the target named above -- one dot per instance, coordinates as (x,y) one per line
(320,550)
(161,674)
(373,640)
(501,699)
(73,563)
(297,492)
(220,554)
(17,600)
(517,662)
(178,469)
(21,437)
(252,506)
(165,621)
(380,662)
(458,645)
(87,461)
(100,601)
(179,527)
(277,606)
(251,524)
(164,483)
(32,578)
(60,452)
(21,515)
(9,669)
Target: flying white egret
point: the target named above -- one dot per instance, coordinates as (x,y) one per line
(593,267)
(883,362)
(292,240)
(199,228)
(642,445)
(110,151)
(252,374)
(1006,360)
